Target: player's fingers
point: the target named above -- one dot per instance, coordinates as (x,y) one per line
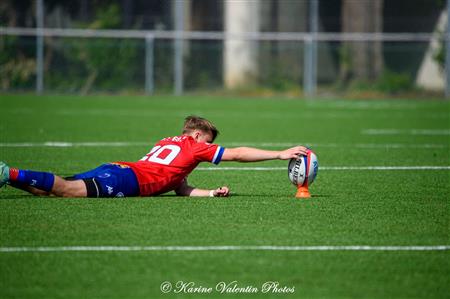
(295,156)
(302,150)
(224,191)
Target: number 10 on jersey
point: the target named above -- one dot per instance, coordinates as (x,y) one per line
(162,154)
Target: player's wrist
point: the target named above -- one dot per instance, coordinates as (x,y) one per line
(279,155)
(211,193)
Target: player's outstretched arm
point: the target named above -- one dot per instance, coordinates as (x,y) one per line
(249,154)
(185,190)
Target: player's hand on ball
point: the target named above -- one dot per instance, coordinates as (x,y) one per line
(294,152)
(222,192)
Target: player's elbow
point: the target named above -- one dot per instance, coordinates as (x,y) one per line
(178,193)
(183,191)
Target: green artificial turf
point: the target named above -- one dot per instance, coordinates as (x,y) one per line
(349,207)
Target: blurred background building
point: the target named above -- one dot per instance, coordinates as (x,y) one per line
(392,47)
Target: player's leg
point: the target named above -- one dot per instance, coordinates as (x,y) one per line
(69,188)
(61,188)
(25,178)
(29,189)
(110,180)
(41,183)
(4,179)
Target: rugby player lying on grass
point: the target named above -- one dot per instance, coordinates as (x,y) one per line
(164,169)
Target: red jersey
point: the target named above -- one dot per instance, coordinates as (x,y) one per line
(170,161)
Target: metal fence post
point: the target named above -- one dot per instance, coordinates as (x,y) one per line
(307,67)
(447,53)
(39,46)
(310,55)
(149,64)
(178,54)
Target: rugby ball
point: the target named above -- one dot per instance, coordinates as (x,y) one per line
(303,171)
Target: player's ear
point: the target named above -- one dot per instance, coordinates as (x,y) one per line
(196,135)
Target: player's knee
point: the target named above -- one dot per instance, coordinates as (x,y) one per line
(71,189)
(67,193)
(64,189)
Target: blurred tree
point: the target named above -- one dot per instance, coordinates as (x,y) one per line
(127,7)
(361,60)
(17,65)
(8,15)
(109,62)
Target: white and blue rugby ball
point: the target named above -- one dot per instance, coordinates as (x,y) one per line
(303,171)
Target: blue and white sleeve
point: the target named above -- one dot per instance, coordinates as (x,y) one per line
(218,155)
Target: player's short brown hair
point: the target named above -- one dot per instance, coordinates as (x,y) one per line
(193,122)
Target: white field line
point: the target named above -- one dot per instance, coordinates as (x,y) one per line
(71,144)
(437,132)
(226,144)
(224,248)
(337,112)
(331,168)
(261,115)
(335,145)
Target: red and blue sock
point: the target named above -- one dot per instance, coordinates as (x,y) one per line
(40,180)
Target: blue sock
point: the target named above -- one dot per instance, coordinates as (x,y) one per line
(40,180)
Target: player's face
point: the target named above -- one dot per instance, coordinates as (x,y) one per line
(202,137)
